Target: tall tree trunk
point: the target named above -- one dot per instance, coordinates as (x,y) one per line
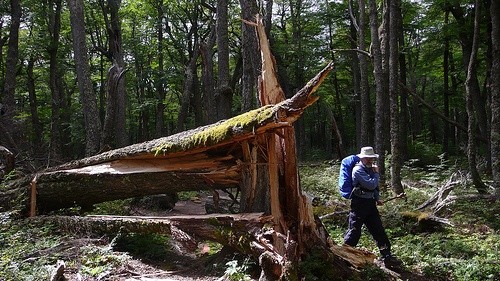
(224,92)
(115,34)
(380,89)
(56,120)
(160,77)
(141,89)
(366,123)
(405,115)
(446,86)
(8,106)
(396,164)
(206,52)
(251,57)
(115,132)
(478,98)
(87,93)
(470,92)
(189,87)
(356,77)
(495,95)
(35,118)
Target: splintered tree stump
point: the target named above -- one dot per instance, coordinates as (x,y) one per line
(7,160)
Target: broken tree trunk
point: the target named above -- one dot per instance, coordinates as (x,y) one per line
(292,213)
(7,163)
(209,157)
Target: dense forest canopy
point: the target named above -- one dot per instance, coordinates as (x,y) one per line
(415,79)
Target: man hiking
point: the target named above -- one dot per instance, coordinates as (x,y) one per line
(365,197)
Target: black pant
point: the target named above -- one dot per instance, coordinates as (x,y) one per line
(364,211)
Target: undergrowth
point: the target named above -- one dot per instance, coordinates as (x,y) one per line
(468,250)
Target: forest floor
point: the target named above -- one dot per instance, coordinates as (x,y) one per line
(467,249)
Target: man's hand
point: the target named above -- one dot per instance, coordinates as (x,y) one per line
(375,168)
(380,202)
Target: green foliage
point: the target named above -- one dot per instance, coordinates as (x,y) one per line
(19,246)
(237,272)
(117,207)
(146,246)
(320,181)
(424,153)
(99,261)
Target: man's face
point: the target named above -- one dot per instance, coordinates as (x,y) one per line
(368,161)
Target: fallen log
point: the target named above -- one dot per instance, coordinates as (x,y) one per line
(242,232)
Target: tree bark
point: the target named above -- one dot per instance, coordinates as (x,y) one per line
(495,96)
(396,161)
(206,52)
(87,94)
(446,87)
(251,59)
(8,128)
(470,82)
(115,132)
(160,76)
(403,96)
(380,89)
(224,92)
(466,42)
(366,132)
(356,77)
(58,105)
(35,119)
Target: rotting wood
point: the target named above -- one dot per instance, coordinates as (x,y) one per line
(245,232)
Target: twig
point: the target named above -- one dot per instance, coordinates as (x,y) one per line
(333,214)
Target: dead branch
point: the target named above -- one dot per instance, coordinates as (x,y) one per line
(443,192)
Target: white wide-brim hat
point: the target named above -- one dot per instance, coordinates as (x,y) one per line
(367,152)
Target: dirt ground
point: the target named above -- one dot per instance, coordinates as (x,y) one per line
(179,264)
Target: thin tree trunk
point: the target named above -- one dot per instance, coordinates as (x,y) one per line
(356,77)
(403,96)
(394,97)
(57,106)
(380,89)
(251,61)
(87,94)
(35,119)
(115,41)
(478,99)
(366,123)
(189,82)
(206,52)
(160,77)
(114,132)
(224,92)
(446,87)
(495,96)
(470,91)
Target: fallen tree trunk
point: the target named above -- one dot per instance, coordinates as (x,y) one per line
(243,232)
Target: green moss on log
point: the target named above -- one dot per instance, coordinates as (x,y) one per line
(243,123)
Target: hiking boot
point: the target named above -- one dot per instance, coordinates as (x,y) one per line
(391,262)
